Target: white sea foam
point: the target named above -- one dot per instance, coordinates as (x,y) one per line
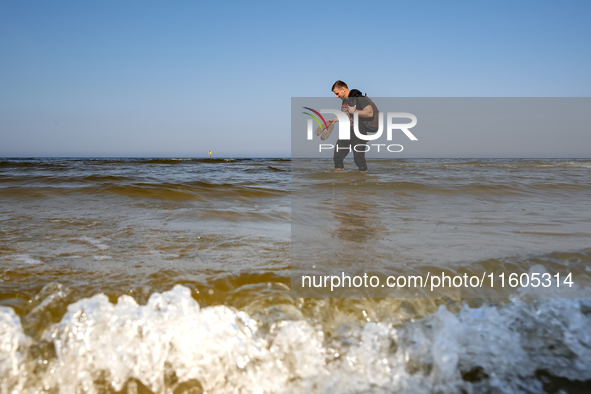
(578,164)
(25,258)
(164,255)
(12,359)
(501,348)
(101,258)
(96,242)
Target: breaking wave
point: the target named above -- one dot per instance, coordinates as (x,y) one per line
(172,345)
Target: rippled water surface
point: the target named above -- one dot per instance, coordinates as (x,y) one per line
(173,275)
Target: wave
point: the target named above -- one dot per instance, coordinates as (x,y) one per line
(73,162)
(63,179)
(185,161)
(447,187)
(429,163)
(33,164)
(492,163)
(197,190)
(193,190)
(277,169)
(171,343)
(54,186)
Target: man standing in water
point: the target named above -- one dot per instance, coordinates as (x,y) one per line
(353,102)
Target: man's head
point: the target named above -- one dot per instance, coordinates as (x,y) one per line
(341,89)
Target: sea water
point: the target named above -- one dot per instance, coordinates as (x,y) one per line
(174,275)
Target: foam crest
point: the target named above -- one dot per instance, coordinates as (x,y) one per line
(127,340)
(13,344)
(171,342)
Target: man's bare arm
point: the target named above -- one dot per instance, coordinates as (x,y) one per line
(366,112)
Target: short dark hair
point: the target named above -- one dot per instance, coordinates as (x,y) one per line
(339,84)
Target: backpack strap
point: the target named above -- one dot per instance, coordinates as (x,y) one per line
(376,121)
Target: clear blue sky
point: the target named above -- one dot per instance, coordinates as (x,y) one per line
(156,78)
